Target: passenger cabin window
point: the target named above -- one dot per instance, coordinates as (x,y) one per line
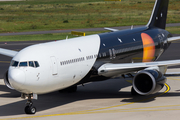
(14,63)
(23,64)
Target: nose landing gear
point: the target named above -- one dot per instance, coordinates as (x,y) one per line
(29,109)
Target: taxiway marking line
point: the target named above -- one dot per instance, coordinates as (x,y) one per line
(167,89)
(174,78)
(119,110)
(105,111)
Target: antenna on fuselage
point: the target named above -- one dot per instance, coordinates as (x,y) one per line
(66,37)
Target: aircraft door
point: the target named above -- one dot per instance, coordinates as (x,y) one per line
(54,66)
(114,54)
(110,53)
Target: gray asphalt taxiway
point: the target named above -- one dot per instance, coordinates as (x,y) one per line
(105,100)
(110,99)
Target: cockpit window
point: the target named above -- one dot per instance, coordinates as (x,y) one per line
(36,63)
(14,63)
(23,64)
(31,63)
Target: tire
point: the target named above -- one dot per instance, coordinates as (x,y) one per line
(26,109)
(30,110)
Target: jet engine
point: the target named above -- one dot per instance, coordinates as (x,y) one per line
(6,81)
(148,82)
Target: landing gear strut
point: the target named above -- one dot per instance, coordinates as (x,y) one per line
(29,109)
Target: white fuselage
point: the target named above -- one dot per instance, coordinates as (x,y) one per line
(61,64)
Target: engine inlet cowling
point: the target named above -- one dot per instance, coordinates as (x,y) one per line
(148,82)
(6,81)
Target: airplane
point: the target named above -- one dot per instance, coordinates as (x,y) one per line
(64,64)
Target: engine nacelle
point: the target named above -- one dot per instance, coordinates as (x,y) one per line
(6,81)
(148,82)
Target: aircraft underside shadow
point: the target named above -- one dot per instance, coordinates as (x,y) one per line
(97,90)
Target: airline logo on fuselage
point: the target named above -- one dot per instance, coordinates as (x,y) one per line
(148,48)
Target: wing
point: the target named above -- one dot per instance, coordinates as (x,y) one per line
(173,39)
(6,52)
(109,70)
(111,29)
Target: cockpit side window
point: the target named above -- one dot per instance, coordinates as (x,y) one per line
(36,63)
(14,63)
(31,63)
(23,64)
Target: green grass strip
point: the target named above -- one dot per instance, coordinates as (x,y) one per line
(61,36)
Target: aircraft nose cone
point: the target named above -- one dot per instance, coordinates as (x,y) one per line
(16,78)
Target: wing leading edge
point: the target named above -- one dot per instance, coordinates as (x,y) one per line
(112,69)
(6,52)
(173,39)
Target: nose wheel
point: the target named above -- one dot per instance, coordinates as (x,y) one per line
(30,109)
